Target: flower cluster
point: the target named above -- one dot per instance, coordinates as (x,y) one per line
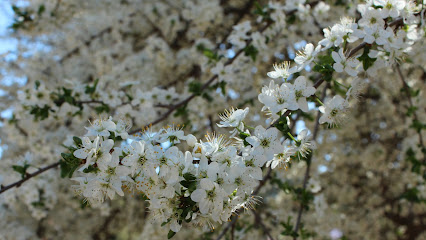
(207,183)
(378,27)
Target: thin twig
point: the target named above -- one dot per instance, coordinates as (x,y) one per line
(410,102)
(28,176)
(308,167)
(203,87)
(258,220)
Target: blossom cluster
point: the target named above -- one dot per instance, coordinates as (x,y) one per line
(207,183)
(183,61)
(387,44)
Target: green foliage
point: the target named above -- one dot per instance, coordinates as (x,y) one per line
(281,125)
(21,17)
(305,197)
(21,169)
(417,165)
(77,141)
(91,169)
(65,95)
(37,84)
(243,136)
(418,126)
(40,113)
(410,91)
(261,11)
(411,111)
(324,66)
(69,164)
(305,234)
(41,10)
(170,234)
(288,228)
(251,51)
(367,62)
(291,19)
(91,89)
(221,85)
(196,88)
(212,56)
(412,195)
(189,182)
(102,108)
(181,111)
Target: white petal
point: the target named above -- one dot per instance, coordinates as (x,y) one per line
(198,195)
(303,104)
(206,184)
(273,74)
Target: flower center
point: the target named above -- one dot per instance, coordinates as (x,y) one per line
(142,160)
(111,171)
(163,160)
(211,194)
(298,94)
(264,142)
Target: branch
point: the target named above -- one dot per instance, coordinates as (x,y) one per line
(28,177)
(410,102)
(203,87)
(308,168)
(258,220)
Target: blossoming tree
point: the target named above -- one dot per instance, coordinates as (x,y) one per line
(214,120)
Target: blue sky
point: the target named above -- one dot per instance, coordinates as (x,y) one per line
(6,19)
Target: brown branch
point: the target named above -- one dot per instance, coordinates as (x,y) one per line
(28,176)
(203,87)
(86,43)
(211,122)
(410,102)
(259,221)
(308,167)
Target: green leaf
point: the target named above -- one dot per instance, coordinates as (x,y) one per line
(411,195)
(67,170)
(190,182)
(325,66)
(212,56)
(243,136)
(102,108)
(418,126)
(411,111)
(251,51)
(195,88)
(92,89)
(221,85)
(40,113)
(170,234)
(282,126)
(91,169)
(21,169)
(181,111)
(77,141)
(37,84)
(367,62)
(41,10)
(261,11)
(164,223)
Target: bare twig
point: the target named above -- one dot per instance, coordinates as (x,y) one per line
(308,167)
(258,220)
(202,88)
(28,176)
(410,102)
